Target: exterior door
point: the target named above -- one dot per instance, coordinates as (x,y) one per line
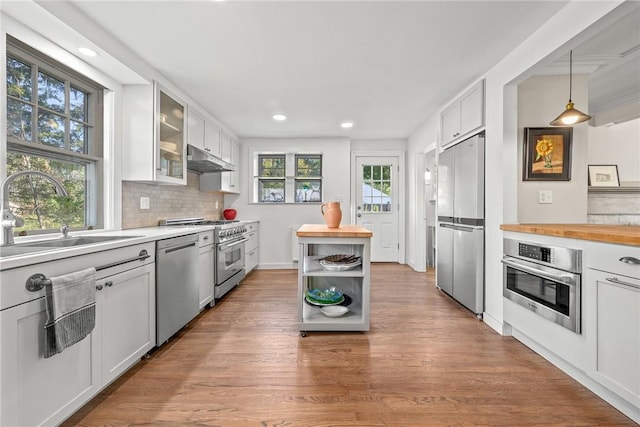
(377,202)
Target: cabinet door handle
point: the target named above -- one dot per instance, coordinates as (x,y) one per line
(621,282)
(99,287)
(109,284)
(630,260)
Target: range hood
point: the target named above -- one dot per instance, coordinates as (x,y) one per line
(200,161)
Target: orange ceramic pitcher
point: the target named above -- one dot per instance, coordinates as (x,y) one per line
(332,214)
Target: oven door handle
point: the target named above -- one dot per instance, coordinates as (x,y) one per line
(564,278)
(224,247)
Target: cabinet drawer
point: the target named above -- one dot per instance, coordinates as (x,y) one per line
(610,258)
(253,241)
(205,238)
(251,260)
(252,226)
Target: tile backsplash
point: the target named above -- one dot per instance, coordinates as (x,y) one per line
(614,208)
(168,201)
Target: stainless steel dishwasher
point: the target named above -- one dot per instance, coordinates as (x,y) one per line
(177,288)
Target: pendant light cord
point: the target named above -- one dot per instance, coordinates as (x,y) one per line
(570,72)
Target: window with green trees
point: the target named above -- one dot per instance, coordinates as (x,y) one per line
(288,178)
(54,125)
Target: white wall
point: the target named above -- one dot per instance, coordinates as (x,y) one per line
(540,100)
(423,140)
(617,145)
(501,131)
(277,220)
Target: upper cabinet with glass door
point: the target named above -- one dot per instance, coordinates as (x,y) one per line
(154,135)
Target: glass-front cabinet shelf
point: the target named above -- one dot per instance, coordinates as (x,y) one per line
(351,279)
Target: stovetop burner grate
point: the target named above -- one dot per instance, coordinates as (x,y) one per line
(195,221)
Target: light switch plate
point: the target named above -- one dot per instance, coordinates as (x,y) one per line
(545,196)
(144,203)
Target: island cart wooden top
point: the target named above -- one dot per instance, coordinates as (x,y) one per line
(321,230)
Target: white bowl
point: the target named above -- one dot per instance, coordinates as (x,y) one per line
(334,310)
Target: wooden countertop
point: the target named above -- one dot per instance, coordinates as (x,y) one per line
(321,230)
(617,234)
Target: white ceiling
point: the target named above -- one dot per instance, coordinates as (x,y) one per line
(386,65)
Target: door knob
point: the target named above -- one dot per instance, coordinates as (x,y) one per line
(359,215)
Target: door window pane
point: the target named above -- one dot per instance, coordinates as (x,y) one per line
(51,93)
(376,188)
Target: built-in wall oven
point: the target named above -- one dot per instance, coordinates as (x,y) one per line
(544,279)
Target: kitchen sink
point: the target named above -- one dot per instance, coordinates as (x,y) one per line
(61,242)
(65,242)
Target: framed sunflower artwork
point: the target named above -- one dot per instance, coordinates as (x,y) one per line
(547,154)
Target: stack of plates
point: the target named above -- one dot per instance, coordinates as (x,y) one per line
(324,297)
(340,262)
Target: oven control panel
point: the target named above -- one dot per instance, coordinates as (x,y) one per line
(567,259)
(538,253)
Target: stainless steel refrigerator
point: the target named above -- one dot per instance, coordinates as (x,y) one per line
(460,231)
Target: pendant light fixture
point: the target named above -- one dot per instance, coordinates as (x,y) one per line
(570,116)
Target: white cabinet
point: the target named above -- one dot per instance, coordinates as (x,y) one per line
(615,345)
(195,128)
(37,391)
(154,147)
(202,132)
(125,319)
(252,246)
(230,181)
(464,116)
(225,147)
(612,296)
(316,242)
(206,255)
(212,138)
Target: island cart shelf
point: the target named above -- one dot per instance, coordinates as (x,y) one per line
(316,242)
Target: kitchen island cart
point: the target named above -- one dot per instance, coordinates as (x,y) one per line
(317,245)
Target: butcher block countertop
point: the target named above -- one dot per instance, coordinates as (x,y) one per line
(321,230)
(617,234)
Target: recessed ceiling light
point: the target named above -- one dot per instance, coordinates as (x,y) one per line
(87,52)
(346,125)
(279,117)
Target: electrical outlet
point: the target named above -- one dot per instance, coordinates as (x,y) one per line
(339,199)
(144,203)
(545,196)
(216,204)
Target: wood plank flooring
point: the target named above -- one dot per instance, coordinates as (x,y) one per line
(426,361)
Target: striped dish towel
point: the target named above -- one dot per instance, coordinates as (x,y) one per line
(71,310)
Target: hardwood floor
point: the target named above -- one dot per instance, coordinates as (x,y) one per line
(426,361)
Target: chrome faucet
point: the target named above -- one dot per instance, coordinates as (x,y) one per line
(9,220)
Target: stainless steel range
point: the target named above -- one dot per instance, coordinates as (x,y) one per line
(229,240)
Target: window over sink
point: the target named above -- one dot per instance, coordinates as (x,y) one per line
(54,125)
(287,177)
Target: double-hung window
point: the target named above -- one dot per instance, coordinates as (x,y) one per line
(54,125)
(288,178)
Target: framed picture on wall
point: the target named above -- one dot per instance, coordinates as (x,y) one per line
(603,176)
(547,154)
